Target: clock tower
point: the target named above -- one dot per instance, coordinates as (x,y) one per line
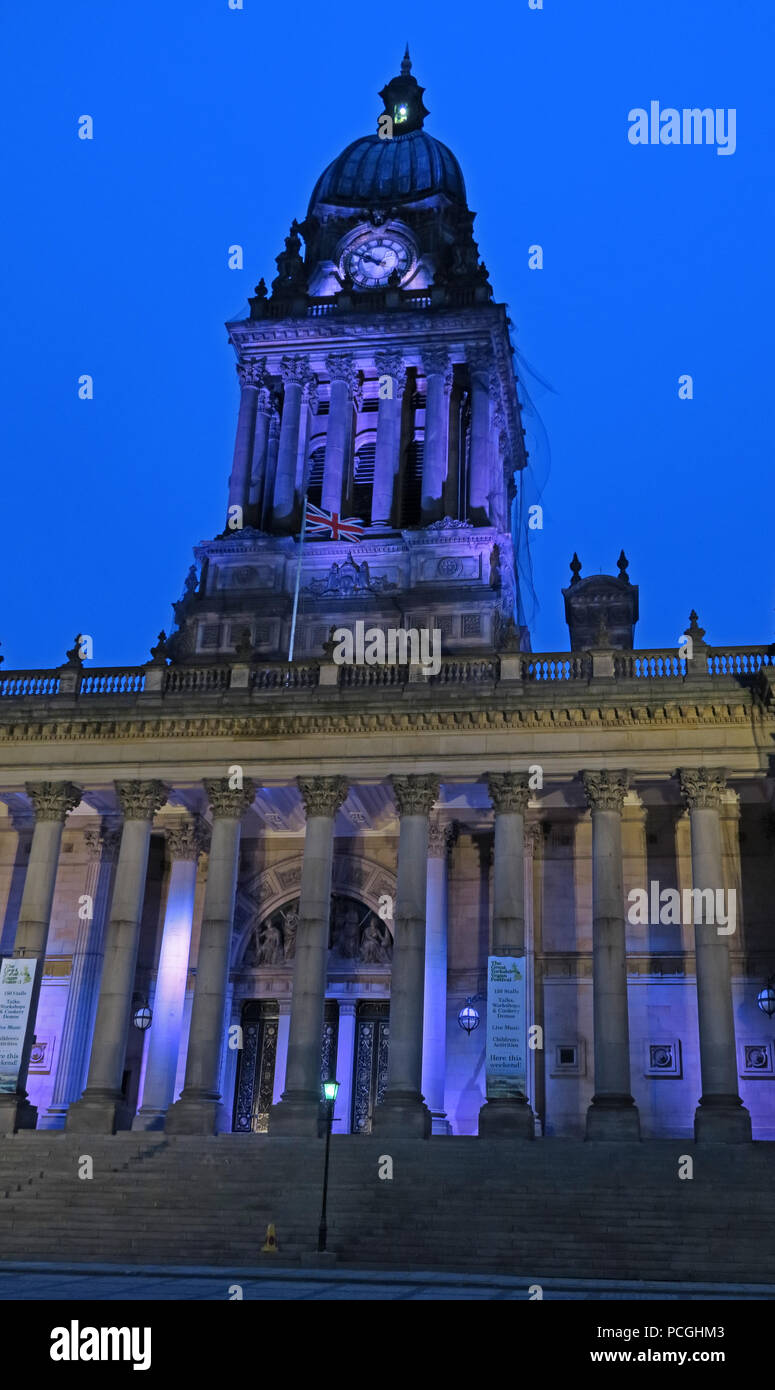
(378,406)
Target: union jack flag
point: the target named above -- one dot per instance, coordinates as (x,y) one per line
(332,525)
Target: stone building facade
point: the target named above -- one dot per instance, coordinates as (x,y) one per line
(300,864)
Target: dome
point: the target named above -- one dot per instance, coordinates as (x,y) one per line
(405,168)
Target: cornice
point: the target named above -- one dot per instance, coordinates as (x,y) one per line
(373,717)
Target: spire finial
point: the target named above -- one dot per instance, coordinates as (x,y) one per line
(406,64)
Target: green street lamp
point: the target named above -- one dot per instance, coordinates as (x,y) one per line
(330,1089)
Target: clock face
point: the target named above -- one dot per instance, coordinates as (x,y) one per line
(371,261)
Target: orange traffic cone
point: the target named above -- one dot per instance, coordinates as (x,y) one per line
(270,1246)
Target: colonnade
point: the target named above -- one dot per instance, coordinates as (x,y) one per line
(268,471)
(416,1033)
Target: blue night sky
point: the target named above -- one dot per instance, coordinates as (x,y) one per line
(211,127)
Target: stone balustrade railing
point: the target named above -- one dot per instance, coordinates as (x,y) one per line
(740,664)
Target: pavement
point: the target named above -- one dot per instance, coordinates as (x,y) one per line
(78,1282)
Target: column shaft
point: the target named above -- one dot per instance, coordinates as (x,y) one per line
(338,434)
(345,1061)
(612,1114)
(239,482)
(284,505)
(85,974)
(509,793)
(258,470)
(169,1000)
(298,1111)
(479,480)
(51,802)
(434,469)
(281,1055)
(99,1109)
(388,443)
(196,1112)
(434,1061)
(403,1111)
(721,1116)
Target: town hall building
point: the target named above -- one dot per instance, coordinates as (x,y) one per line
(284,849)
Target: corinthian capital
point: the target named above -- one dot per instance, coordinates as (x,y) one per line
(52,800)
(294,370)
(102,842)
(441,837)
(188,840)
(140,800)
(339,366)
(322,796)
(435,362)
(415,795)
(229,803)
(605,791)
(252,374)
(480,359)
(391,363)
(702,788)
(509,791)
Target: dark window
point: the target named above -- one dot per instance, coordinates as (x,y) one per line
(315,482)
(363,481)
(412,493)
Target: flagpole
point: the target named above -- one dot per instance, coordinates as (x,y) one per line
(298,580)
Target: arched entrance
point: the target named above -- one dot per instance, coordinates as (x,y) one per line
(360,954)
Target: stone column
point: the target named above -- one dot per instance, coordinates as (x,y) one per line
(297,1112)
(309,405)
(613,1113)
(281,1055)
(294,373)
(196,1112)
(479,479)
(720,1116)
(434,1043)
(102,845)
(272,449)
(342,375)
(260,459)
(250,377)
(403,1113)
(23,826)
(387,454)
(98,1109)
(51,802)
(345,1062)
(509,794)
(185,843)
(536,1056)
(438,375)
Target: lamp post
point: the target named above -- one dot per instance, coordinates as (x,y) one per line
(330,1089)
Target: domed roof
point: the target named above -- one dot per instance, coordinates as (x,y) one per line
(408,165)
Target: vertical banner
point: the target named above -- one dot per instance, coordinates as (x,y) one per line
(17,979)
(506,1031)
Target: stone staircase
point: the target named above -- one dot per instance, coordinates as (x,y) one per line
(553,1208)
